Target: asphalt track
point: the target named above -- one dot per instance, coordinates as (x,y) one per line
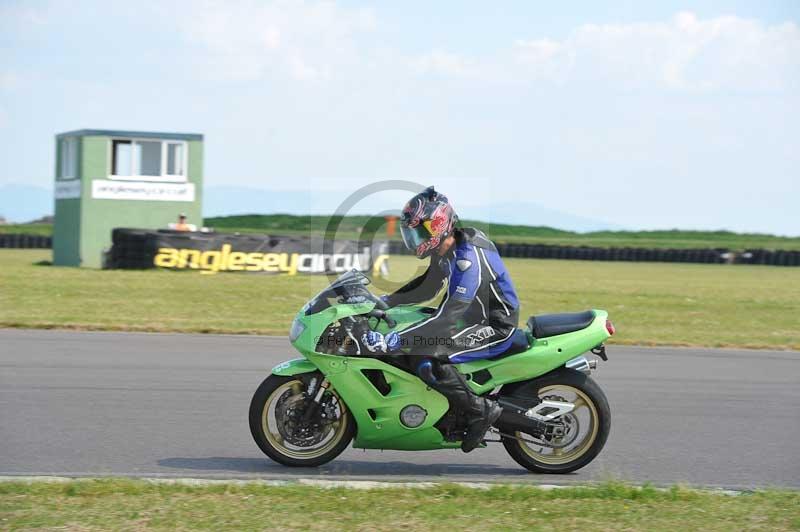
(162,405)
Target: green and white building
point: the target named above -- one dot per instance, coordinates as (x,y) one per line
(108,179)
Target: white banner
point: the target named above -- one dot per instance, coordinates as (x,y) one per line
(68,189)
(140,190)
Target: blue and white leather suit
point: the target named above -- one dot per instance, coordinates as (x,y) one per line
(479,311)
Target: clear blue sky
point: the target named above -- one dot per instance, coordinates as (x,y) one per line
(642,114)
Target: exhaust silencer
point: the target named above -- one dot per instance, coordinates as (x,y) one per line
(582,364)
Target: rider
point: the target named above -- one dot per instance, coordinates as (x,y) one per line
(476,318)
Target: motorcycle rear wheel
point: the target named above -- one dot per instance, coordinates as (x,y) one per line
(591,413)
(269,408)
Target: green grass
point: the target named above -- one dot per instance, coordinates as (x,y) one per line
(134,505)
(28,229)
(354,226)
(651,303)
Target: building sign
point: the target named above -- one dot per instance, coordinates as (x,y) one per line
(141,190)
(68,189)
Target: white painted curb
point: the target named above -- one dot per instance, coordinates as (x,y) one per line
(327,484)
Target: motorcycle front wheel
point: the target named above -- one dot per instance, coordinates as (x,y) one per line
(285,432)
(574,438)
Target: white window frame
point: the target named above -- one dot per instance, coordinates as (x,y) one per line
(165,159)
(164,177)
(68,153)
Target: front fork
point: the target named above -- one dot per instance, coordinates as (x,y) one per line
(316,392)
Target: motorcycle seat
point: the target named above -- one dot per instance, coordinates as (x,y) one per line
(546,325)
(519,344)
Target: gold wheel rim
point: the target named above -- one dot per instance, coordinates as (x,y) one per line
(559,456)
(276,440)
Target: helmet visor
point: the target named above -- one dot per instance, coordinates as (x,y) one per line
(414,236)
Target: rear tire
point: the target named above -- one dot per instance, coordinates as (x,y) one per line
(589,392)
(272,391)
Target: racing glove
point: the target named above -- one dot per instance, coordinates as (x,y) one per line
(375,342)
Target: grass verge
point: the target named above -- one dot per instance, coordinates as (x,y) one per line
(651,303)
(111,504)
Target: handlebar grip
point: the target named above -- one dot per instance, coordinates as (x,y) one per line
(381,304)
(381,315)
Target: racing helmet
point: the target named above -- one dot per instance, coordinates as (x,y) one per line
(427,219)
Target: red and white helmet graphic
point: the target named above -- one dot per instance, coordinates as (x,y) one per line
(427,219)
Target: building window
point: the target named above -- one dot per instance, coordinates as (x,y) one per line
(121,153)
(69,158)
(148,160)
(175,158)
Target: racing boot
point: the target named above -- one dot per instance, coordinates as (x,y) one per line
(481,412)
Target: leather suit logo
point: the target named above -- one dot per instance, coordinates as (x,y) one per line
(484,333)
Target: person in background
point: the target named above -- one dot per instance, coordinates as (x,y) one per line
(181,225)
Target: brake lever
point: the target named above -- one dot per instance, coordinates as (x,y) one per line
(381,315)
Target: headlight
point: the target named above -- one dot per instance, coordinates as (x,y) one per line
(413,416)
(297,329)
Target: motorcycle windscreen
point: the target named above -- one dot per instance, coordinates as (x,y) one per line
(348,284)
(414,236)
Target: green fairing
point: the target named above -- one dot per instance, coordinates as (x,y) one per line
(378,416)
(543,356)
(295,366)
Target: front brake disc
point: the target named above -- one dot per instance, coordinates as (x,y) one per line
(288,418)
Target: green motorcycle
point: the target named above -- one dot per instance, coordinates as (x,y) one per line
(555,418)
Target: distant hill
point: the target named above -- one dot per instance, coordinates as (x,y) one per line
(308,214)
(350,226)
(24,203)
(230,200)
(533,215)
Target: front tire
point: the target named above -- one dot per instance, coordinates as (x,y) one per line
(281,433)
(591,405)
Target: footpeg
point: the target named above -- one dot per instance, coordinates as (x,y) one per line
(549,410)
